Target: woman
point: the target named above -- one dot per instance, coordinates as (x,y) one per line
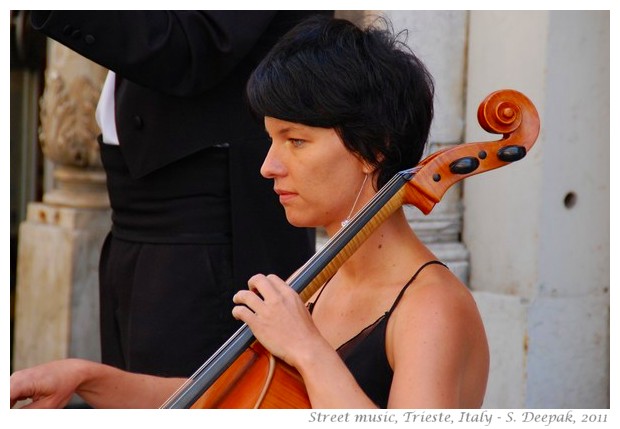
(346,109)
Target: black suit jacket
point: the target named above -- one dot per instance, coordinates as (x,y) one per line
(181,88)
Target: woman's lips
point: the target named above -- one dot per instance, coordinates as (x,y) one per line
(285,196)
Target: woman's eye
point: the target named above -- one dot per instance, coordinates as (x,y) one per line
(297,142)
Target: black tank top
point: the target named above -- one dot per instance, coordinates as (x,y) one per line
(365,354)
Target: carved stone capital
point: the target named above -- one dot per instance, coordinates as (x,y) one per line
(69,131)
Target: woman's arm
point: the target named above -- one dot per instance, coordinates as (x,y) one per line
(437,347)
(51,385)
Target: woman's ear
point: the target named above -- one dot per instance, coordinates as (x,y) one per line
(373,170)
(368,168)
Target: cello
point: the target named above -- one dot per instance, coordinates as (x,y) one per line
(242,373)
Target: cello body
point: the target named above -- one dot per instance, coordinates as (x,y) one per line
(256,379)
(243,374)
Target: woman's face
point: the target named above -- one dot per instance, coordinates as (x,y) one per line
(315,176)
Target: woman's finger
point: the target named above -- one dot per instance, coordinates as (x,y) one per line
(243,313)
(249,299)
(265,286)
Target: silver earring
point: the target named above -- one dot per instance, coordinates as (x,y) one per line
(346,221)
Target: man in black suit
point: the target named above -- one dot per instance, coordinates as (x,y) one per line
(192,218)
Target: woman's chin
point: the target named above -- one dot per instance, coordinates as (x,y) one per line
(299,221)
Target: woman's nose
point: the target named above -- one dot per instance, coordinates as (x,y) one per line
(272,166)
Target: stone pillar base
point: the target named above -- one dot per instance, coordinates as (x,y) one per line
(57,297)
(78,187)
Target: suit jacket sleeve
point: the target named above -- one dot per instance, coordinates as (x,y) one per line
(180,53)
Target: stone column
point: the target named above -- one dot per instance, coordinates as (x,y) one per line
(539,230)
(57,306)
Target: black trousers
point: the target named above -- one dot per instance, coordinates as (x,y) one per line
(165,274)
(165,308)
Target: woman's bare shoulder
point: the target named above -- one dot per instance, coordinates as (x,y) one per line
(437,302)
(436,344)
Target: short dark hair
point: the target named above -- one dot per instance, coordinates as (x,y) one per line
(365,83)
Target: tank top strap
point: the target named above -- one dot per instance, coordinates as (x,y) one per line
(402,291)
(311,305)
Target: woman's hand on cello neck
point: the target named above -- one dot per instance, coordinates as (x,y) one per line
(281,322)
(278,318)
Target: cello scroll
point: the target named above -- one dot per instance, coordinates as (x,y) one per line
(505,112)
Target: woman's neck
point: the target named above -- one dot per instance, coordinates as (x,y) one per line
(393,248)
